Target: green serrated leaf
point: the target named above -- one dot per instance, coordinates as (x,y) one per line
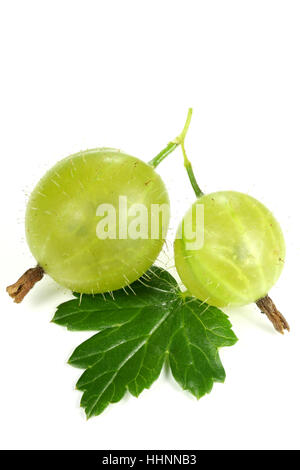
(194,357)
(139,329)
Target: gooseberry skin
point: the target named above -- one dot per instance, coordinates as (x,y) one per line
(61,220)
(242,255)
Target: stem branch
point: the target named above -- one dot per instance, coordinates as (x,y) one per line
(173,144)
(163,154)
(187,163)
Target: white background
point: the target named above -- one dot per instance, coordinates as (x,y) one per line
(81,74)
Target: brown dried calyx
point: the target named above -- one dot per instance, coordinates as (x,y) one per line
(267,306)
(26,282)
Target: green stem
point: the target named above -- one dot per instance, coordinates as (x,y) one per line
(193,180)
(190,172)
(187,163)
(163,154)
(173,144)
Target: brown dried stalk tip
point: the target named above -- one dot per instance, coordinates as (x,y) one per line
(26,282)
(267,306)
